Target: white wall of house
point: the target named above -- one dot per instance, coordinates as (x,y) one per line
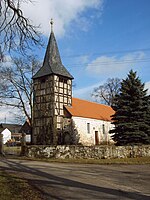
(28,138)
(6,135)
(88,127)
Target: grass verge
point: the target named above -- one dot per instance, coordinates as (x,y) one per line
(12,150)
(13,187)
(132,161)
(144,160)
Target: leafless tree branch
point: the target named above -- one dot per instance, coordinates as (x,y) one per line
(16,31)
(107,92)
(16,84)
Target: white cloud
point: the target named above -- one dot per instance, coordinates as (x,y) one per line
(5,115)
(62,11)
(85,92)
(113,65)
(81,60)
(11,115)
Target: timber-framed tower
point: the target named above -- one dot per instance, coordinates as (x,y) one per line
(52,91)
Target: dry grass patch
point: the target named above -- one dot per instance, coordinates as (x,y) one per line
(12,150)
(140,160)
(15,188)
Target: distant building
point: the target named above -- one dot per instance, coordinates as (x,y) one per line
(27,129)
(10,132)
(56,115)
(6,134)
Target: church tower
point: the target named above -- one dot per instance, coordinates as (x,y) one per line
(52,90)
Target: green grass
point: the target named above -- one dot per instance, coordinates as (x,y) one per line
(13,187)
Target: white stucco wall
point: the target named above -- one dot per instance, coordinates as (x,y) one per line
(95,125)
(6,135)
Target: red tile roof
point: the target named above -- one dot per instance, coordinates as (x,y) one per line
(87,109)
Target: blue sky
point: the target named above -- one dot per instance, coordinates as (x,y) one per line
(113,44)
(98,39)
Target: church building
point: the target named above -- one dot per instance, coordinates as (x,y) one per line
(58,118)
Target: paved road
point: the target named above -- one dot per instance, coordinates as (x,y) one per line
(61,181)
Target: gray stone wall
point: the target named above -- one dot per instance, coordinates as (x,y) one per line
(87,152)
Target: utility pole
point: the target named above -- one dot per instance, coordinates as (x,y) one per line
(1,145)
(5,119)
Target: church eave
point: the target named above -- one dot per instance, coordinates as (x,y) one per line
(53,70)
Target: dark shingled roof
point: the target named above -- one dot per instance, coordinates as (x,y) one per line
(52,62)
(12,127)
(1,129)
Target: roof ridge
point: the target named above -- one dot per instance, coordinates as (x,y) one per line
(10,124)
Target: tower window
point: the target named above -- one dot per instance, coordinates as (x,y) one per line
(62,80)
(43,80)
(65,80)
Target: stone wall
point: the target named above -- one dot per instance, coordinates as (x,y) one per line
(87,152)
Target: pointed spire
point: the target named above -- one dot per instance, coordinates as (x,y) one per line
(52,62)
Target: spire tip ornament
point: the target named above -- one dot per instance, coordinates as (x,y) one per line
(51,22)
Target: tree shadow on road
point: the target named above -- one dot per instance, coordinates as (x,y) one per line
(59,188)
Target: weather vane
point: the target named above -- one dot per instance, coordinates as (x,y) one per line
(51,22)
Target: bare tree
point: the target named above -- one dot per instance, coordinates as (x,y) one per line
(106,92)
(16,31)
(16,87)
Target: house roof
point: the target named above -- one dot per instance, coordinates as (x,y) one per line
(26,128)
(87,109)
(52,62)
(12,127)
(1,129)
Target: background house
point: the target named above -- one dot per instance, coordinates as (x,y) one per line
(10,132)
(6,134)
(27,129)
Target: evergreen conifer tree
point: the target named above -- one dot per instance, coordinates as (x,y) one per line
(131,118)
